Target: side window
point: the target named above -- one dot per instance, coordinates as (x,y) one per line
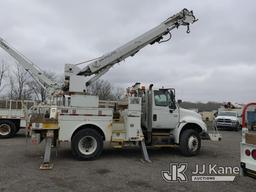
(160,98)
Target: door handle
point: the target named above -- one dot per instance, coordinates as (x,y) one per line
(154,117)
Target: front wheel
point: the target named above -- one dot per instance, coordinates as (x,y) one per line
(87,144)
(190,142)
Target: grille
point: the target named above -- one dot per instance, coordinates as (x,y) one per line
(224,120)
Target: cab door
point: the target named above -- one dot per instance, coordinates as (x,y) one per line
(165,114)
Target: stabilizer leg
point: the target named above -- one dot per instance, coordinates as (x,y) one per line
(144,151)
(46,165)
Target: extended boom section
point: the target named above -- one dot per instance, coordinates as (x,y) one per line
(101,65)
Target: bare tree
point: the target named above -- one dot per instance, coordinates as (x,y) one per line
(101,88)
(3,70)
(18,80)
(118,93)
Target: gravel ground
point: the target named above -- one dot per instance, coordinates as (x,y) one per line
(115,170)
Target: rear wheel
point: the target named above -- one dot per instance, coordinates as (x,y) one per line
(190,142)
(87,144)
(7,129)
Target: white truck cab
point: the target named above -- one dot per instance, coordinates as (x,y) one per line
(165,123)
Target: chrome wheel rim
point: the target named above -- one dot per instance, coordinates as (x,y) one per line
(87,145)
(193,143)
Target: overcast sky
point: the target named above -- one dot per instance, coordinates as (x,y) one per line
(215,62)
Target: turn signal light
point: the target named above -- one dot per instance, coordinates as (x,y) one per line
(247,152)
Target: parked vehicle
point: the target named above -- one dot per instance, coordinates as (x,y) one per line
(13,116)
(248,146)
(228,120)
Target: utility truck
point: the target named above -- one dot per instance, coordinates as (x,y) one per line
(149,116)
(248,144)
(13,116)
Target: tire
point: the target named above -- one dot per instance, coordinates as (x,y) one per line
(190,142)
(237,128)
(7,129)
(89,137)
(17,130)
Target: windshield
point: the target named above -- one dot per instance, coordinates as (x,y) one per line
(227,113)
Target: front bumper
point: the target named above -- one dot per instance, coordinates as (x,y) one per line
(226,125)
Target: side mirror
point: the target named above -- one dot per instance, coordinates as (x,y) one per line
(172,107)
(179,101)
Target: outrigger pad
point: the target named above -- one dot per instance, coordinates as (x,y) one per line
(215,136)
(46,166)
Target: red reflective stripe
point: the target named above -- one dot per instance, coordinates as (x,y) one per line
(82,115)
(244,111)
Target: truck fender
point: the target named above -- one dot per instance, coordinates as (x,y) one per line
(94,125)
(191,123)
